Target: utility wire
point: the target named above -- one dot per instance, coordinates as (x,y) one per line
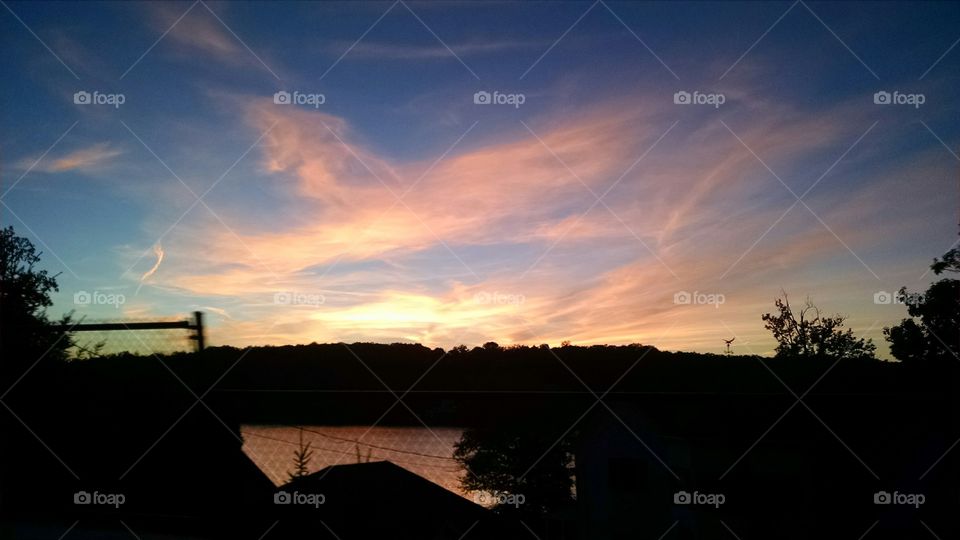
(355,441)
(330,450)
(352,441)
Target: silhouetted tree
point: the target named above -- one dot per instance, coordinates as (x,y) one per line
(949,263)
(518,459)
(301,459)
(808,333)
(26,335)
(936,339)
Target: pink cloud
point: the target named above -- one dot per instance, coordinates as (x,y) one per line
(682,217)
(86,159)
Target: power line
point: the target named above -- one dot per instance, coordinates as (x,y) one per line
(330,450)
(353,441)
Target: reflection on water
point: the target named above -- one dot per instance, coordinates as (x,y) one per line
(426,452)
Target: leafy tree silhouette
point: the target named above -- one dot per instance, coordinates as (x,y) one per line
(27,337)
(936,339)
(510,459)
(808,333)
(949,263)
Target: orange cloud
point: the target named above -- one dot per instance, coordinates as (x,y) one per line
(676,222)
(85,159)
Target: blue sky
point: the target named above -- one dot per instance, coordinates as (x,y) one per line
(401,210)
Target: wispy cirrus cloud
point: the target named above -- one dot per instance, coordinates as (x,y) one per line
(374,50)
(87,159)
(515,217)
(192,30)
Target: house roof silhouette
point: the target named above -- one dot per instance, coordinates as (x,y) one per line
(381,496)
(382,484)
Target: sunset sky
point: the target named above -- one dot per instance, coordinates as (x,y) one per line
(398,209)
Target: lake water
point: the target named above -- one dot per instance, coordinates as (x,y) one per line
(426,452)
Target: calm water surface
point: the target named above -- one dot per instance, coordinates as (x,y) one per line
(426,452)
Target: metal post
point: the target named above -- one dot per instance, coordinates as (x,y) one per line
(198,329)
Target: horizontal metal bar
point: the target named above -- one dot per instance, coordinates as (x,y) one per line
(95,327)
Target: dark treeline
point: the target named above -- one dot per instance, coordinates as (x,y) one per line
(289,384)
